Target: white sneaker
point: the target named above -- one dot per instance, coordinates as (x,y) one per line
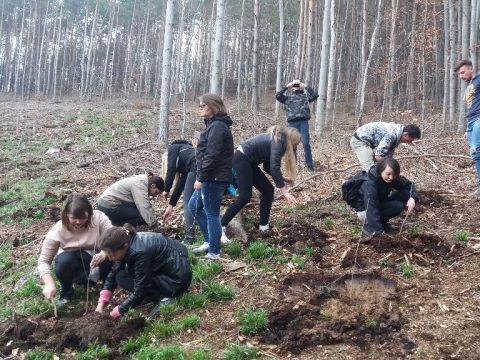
(202,248)
(264,227)
(224,239)
(211,256)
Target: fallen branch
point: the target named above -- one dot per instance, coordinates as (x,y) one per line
(88,163)
(464,256)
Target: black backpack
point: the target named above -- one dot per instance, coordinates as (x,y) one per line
(351,187)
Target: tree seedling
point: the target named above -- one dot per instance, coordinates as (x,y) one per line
(406,269)
(462,235)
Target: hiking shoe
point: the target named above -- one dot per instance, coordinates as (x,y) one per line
(389,229)
(65,297)
(213,257)
(224,239)
(264,228)
(202,248)
(156,309)
(310,169)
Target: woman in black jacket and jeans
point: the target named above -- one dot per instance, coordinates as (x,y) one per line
(152,267)
(267,149)
(214,172)
(382,196)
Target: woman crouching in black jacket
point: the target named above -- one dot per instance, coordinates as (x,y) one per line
(267,149)
(380,202)
(152,267)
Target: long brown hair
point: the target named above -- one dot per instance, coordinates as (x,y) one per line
(215,103)
(79,207)
(293,138)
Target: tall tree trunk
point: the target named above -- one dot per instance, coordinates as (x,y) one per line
(178,61)
(474,13)
(331,65)
(311,17)
(452,81)
(106,61)
(57,51)
(411,103)
(465,46)
(278,82)
(300,34)
(217,49)
(255,77)
(240,59)
(18,59)
(126,74)
(166,74)
(110,81)
(446,61)
(388,86)
(373,42)
(363,57)
(322,82)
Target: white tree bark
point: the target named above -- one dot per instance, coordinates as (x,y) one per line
(450,70)
(388,87)
(278,83)
(331,65)
(465,47)
(373,42)
(322,82)
(255,77)
(311,17)
(166,74)
(240,60)
(474,13)
(217,48)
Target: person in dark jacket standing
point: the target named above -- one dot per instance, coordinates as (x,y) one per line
(382,196)
(214,172)
(297,97)
(180,167)
(267,149)
(152,267)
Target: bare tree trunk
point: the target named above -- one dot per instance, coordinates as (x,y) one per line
(166,74)
(363,49)
(367,64)
(84,53)
(423,66)
(126,74)
(178,62)
(240,59)
(411,103)
(446,75)
(388,87)
(474,13)
(311,17)
(331,65)
(298,54)
(451,100)
(107,52)
(217,50)
(322,82)
(57,51)
(465,46)
(110,81)
(278,83)
(255,77)
(18,59)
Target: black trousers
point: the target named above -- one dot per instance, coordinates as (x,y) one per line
(73,267)
(248,176)
(123,214)
(393,206)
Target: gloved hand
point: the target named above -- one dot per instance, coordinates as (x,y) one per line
(105,296)
(115,313)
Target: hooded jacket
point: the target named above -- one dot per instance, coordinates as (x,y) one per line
(180,159)
(375,191)
(215,150)
(297,102)
(153,259)
(261,149)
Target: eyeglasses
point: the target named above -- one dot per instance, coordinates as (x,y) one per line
(201,106)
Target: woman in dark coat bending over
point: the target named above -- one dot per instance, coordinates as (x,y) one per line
(152,267)
(267,149)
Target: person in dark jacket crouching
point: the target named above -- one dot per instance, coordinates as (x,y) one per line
(267,149)
(382,196)
(214,172)
(151,266)
(180,168)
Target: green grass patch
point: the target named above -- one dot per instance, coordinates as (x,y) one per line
(22,195)
(5,257)
(289,209)
(29,289)
(233,249)
(192,301)
(205,271)
(38,355)
(135,344)
(299,261)
(354,230)
(253,321)
(414,230)
(310,251)
(164,329)
(166,352)
(239,352)
(218,292)
(260,250)
(406,269)
(328,222)
(201,354)
(462,235)
(94,351)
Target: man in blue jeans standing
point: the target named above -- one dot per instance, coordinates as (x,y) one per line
(296,97)
(466,73)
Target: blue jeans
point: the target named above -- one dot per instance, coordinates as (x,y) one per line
(187,214)
(473,138)
(205,207)
(303,129)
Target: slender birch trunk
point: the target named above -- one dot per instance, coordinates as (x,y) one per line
(255,77)
(217,49)
(278,83)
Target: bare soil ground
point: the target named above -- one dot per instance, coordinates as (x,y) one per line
(350,301)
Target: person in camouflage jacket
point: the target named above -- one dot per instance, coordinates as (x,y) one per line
(296,97)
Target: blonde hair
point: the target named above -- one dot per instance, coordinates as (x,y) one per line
(293,138)
(164,167)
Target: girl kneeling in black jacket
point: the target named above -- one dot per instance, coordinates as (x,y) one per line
(152,267)
(383,195)
(267,149)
